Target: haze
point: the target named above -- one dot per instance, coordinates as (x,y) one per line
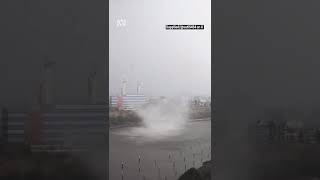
(167,62)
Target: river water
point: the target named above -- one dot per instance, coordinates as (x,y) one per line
(162,156)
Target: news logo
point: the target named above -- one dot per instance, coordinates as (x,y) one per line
(121,22)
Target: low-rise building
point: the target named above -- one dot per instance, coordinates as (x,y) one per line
(127,102)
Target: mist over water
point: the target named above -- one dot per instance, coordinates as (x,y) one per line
(161,120)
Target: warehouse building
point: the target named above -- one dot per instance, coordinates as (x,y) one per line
(128,101)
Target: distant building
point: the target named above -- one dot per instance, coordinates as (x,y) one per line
(127,102)
(201,101)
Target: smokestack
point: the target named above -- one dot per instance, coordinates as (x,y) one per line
(124,87)
(139,86)
(48,83)
(92,88)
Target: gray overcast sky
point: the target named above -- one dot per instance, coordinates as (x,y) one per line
(266,50)
(167,62)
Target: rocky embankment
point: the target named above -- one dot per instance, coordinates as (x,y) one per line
(203,173)
(200,113)
(123,118)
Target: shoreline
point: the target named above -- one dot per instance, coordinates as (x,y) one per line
(140,124)
(124,126)
(200,119)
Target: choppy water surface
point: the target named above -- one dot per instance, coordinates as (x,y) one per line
(163,154)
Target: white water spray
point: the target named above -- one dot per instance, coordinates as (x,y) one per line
(162,119)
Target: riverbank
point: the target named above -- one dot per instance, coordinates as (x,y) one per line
(201,119)
(121,119)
